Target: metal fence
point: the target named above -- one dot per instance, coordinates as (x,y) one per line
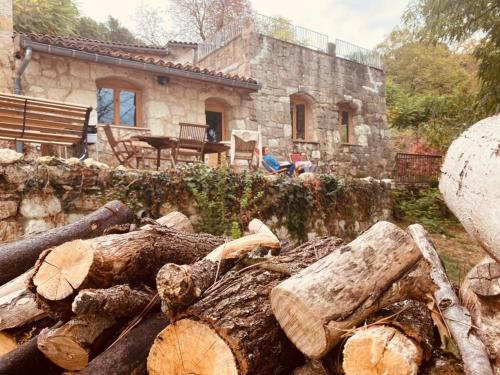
(417,168)
(219,39)
(281,28)
(358,54)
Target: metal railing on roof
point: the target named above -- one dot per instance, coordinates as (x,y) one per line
(358,54)
(220,38)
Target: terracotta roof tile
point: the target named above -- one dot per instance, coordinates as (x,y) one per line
(134,52)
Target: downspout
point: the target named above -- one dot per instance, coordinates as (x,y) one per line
(17,85)
(20,70)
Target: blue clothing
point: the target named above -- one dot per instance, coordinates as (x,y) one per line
(273,164)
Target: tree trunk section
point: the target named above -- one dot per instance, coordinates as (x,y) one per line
(131,258)
(71,345)
(457,317)
(20,255)
(180,285)
(128,356)
(312,367)
(480,293)
(381,350)
(231,329)
(176,220)
(470,179)
(317,305)
(26,359)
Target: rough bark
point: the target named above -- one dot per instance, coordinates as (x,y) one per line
(180,285)
(26,359)
(231,329)
(316,306)
(128,356)
(470,179)
(12,338)
(17,256)
(71,345)
(381,350)
(17,304)
(480,293)
(131,258)
(457,317)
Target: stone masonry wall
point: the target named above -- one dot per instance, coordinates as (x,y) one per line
(37,195)
(6,47)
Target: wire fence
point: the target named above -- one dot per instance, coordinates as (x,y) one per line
(417,168)
(358,54)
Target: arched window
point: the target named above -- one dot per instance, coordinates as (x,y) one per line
(118,102)
(300,113)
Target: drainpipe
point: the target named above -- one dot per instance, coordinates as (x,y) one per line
(17,84)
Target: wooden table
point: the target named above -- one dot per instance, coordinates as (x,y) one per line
(159,143)
(216,148)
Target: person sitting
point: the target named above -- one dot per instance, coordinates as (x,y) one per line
(273,163)
(302,163)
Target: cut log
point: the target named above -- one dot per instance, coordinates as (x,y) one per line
(26,359)
(316,306)
(470,179)
(480,293)
(71,345)
(312,367)
(131,258)
(231,329)
(12,338)
(128,355)
(257,226)
(176,220)
(17,304)
(381,350)
(180,285)
(457,317)
(18,256)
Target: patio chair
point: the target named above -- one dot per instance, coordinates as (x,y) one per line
(124,150)
(296,157)
(282,170)
(244,150)
(192,139)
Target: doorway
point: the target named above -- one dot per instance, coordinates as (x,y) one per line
(215,119)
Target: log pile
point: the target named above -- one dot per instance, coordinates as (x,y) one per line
(162,299)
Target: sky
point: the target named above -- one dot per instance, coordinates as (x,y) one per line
(362,22)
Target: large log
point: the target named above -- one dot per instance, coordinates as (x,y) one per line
(71,345)
(316,306)
(176,220)
(231,329)
(480,293)
(381,350)
(18,256)
(457,317)
(470,179)
(130,258)
(180,285)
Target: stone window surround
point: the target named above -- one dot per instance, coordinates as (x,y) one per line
(118,84)
(301,97)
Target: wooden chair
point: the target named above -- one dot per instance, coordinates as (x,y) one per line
(244,150)
(192,139)
(34,120)
(124,150)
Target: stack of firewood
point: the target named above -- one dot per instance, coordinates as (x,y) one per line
(103,296)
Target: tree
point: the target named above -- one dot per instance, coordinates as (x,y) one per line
(54,17)
(200,19)
(458,21)
(117,33)
(89,28)
(149,25)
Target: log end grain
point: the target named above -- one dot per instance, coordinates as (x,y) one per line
(381,350)
(198,350)
(7,343)
(63,351)
(63,270)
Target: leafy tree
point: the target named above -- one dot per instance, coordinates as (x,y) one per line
(56,17)
(455,21)
(117,33)
(89,28)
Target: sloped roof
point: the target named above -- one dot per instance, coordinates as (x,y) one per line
(141,53)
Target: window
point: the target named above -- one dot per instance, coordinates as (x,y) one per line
(299,115)
(345,125)
(118,103)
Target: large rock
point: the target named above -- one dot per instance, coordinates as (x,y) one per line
(40,206)
(9,156)
(470,182)
(7,209)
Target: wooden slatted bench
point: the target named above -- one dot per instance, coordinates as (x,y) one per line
(44,121)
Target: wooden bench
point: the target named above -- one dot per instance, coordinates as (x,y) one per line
(44,121)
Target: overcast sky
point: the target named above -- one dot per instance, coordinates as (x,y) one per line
(363,22)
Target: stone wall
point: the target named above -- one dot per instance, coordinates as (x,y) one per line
(37,195)
(322,80)
(6,47)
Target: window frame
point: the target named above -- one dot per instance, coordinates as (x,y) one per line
(118,85)
(350,124)
(293,109)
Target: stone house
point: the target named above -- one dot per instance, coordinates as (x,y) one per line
(304,93)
